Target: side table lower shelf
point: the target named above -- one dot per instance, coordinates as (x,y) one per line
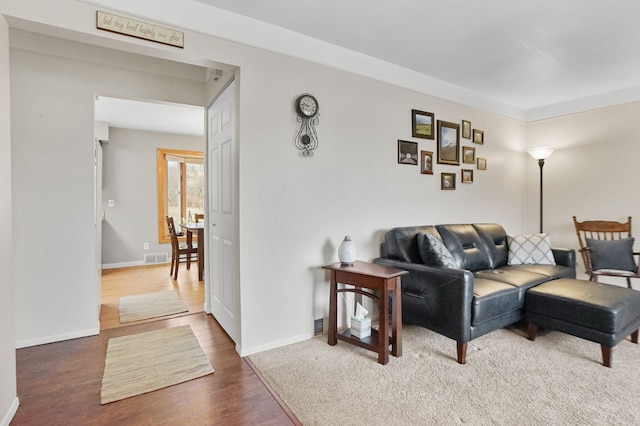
(369,342)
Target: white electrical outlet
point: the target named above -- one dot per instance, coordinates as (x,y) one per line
(146,246)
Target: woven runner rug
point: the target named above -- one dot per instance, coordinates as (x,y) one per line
(149,361)
(152,305)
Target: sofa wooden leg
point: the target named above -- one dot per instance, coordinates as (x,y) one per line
(606,355)
(462,352)
(634,336)
(532,331)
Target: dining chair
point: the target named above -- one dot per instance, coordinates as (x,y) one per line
(199,217)
(180,253)
(607,249)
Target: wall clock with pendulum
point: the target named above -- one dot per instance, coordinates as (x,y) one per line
(307,108)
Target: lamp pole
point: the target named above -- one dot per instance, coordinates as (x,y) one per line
(541,154)
(541,165)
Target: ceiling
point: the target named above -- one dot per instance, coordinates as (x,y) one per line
(525,54)
(162,117)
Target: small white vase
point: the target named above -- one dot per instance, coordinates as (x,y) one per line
(347,252)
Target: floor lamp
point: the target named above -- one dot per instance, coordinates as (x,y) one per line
(541,154)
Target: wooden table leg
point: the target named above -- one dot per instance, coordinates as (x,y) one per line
(333,310)
(189,244)
(396,320)
(200,254)
(383,333)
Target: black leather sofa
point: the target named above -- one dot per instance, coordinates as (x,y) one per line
(482,294)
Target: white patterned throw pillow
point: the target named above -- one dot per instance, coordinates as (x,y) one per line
(530,249)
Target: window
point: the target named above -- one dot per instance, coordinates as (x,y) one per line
(180,188)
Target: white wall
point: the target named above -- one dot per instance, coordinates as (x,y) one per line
(594,172)
(8,391)
(293,211)
(53,86)
(353,185)
(130,179)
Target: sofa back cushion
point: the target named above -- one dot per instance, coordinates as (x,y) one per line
(498,238)
(402,243)
(472,249)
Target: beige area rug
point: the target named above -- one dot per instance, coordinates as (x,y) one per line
(145,362)
(151,305)
(508,380)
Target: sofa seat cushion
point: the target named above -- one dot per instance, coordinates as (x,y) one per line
(492,299)
(550,271)
(513,276)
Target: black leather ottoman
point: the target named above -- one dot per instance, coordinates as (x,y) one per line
(601,313)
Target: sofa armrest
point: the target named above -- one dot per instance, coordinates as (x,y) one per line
(439,299)
(564,256)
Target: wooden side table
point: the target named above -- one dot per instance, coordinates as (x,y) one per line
(372,277)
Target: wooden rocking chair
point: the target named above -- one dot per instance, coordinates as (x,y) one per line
(615,236)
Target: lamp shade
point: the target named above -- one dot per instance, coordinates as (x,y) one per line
(541,153)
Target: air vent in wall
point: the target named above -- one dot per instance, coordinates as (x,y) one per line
(153,258)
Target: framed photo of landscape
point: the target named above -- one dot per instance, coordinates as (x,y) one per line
(467,175)
(426,163)
(422,124)
(481,163)
(478,136)
(447,181)
(468,155)
(466,129)
(448,143)
(408,152)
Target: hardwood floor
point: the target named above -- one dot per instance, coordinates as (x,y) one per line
(59,383)
(117,283)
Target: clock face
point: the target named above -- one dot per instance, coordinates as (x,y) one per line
(307,105)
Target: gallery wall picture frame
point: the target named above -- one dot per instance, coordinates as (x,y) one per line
(481,163)
(447,181)
(466,129)
(468,155)
(408,153)
(478,136)
(422,124)
(448,143)
(426,162)
(466,176)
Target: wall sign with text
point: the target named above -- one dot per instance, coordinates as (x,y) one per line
(144,30)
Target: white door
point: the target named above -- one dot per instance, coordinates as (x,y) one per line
(221,271)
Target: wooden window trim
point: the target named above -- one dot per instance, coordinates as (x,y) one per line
(163,208)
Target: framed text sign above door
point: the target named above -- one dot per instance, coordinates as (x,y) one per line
(144,30)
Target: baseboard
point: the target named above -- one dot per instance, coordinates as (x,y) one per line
(122,264)
(57,338)
(13,409)
(254,350)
